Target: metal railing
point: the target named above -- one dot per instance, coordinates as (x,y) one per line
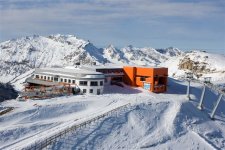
(41,144)
(205,84)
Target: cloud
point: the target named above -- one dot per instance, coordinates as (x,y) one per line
(103,11)
(45,16)
(27,15)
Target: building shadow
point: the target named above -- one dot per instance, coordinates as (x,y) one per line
(115,89)
(210,98)
(178,87)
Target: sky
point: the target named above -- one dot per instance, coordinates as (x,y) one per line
(185,24)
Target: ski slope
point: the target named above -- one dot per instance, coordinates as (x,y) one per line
(153,121)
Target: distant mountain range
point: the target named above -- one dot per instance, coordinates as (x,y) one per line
(20,55)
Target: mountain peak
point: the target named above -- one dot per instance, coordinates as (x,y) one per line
(110,46)
(35,51)
(130,46)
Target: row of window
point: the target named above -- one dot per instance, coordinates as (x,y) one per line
(106,71)
(92,83)
(55,79)
(91,91)
(67,80)
(44,77)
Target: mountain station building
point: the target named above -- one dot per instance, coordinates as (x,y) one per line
(91,80)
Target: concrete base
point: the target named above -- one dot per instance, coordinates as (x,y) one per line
(188,97)
(212,118)
(200,107)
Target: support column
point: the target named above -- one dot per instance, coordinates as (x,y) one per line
(188,90)
(202,98)
(217,104)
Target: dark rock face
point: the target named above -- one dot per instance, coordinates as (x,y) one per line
(7,92)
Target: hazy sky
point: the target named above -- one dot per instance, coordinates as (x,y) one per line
(185,24)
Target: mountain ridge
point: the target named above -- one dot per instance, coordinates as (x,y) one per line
(23,54)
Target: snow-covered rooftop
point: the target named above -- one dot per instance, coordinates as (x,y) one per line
(139,66)
(69,72)
(94,67)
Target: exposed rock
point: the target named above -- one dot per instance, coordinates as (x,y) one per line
(7,92)
(195,66)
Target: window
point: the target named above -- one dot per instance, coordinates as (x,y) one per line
(94,83)
(44,77)
(52,78)
(73,81)
(142,79)
(61,79)
(84,90)
(65,80)
(84,83)
(56,79)
(41,77)
(91,91)
(37,76)
(48,78)
(69,81)
(101,83)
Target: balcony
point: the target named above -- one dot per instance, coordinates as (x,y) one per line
(159,88)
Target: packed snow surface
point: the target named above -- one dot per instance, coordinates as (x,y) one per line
(152,121)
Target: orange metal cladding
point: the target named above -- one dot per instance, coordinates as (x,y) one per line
(129,75)
(137,76)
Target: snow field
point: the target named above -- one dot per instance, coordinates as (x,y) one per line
(154,121)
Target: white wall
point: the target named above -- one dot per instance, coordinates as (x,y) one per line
(88,87)
(77,82)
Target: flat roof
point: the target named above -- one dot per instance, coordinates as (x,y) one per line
(145,66)
(94,67)
(41,82)
(67,70)
(70,72)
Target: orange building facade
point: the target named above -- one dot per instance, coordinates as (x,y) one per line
(152,79)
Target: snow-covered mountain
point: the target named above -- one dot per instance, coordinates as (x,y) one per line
(201,63)
(21,55)
(114,55)
(140,56)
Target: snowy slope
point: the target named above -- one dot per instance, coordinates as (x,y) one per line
(153,121)
(201,63)
(140,56)
(21,55)
(114,55)
(164,121)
